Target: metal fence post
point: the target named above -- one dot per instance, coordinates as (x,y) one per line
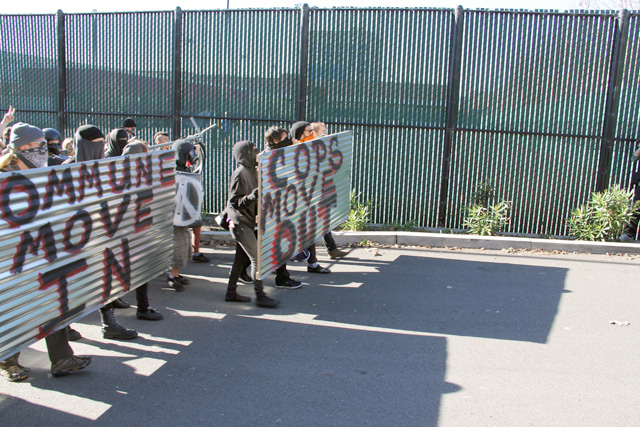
(62,72)
(452,111)
(613,100)
(176,116)
(304,59)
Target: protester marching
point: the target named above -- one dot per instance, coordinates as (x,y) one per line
(101,214)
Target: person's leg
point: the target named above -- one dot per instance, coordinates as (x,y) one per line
(11,369)
(111,329)
(58,346)
(312,262)
(61,355)
(195,241)
(145,312)
(181,249)
(329,243)
(142,297)
(239,264)
(332,248)
(246,238)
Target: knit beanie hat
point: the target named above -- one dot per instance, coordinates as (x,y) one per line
(129,123)
(90,132)
(23,134)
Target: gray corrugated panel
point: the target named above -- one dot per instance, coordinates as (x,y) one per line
(61,242)
(304,193)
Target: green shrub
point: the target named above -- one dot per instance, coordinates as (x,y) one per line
(359,214)
(482,218)
(487,221)
(604,217)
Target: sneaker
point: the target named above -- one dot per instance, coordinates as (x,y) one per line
(150,314)
(183,280)
(200,257)
(120,303)
(266,301)
(245,279)
(289,284)
(336,253)
(176,284)
(13,373)
(302,256)
(72,334)
(318,269)
(72,364)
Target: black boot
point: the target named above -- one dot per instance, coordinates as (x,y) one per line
(111,329)
(120,303)
(263,300)
(233,296)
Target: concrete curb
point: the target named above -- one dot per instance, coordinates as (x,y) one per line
(463,241)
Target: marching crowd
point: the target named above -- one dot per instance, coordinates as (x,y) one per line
(26,147)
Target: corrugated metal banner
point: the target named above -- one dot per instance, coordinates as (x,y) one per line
(76,237)
(304,194)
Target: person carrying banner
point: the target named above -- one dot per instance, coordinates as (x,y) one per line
(277,137)
(144,311)
(185,153)
(241,211)
(90,143)
(319,130)
(302,132)
(28,149)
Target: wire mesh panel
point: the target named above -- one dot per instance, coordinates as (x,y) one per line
(28,68)
(628,125)
(238,65)
(120,65)
(398,170)
(548,73)
(241,64)
(379,66)
(544,177)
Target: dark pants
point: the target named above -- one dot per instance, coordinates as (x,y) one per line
(142,297)
(329,243)
(57,346)
(246,250)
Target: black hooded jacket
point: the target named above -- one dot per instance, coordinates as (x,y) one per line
(242,205)
(183,148)
(115,142)
(86,149)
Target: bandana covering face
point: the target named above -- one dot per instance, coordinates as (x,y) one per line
(33,157)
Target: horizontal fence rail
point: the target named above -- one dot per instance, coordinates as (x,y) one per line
(545,106)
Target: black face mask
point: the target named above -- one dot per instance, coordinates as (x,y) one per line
(192,158)
(284,143)
(55,149)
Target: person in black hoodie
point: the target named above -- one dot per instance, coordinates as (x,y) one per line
(241,210)
(116,140)
(185,156)
(90,146)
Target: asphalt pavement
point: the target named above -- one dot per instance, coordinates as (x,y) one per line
(392,337)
